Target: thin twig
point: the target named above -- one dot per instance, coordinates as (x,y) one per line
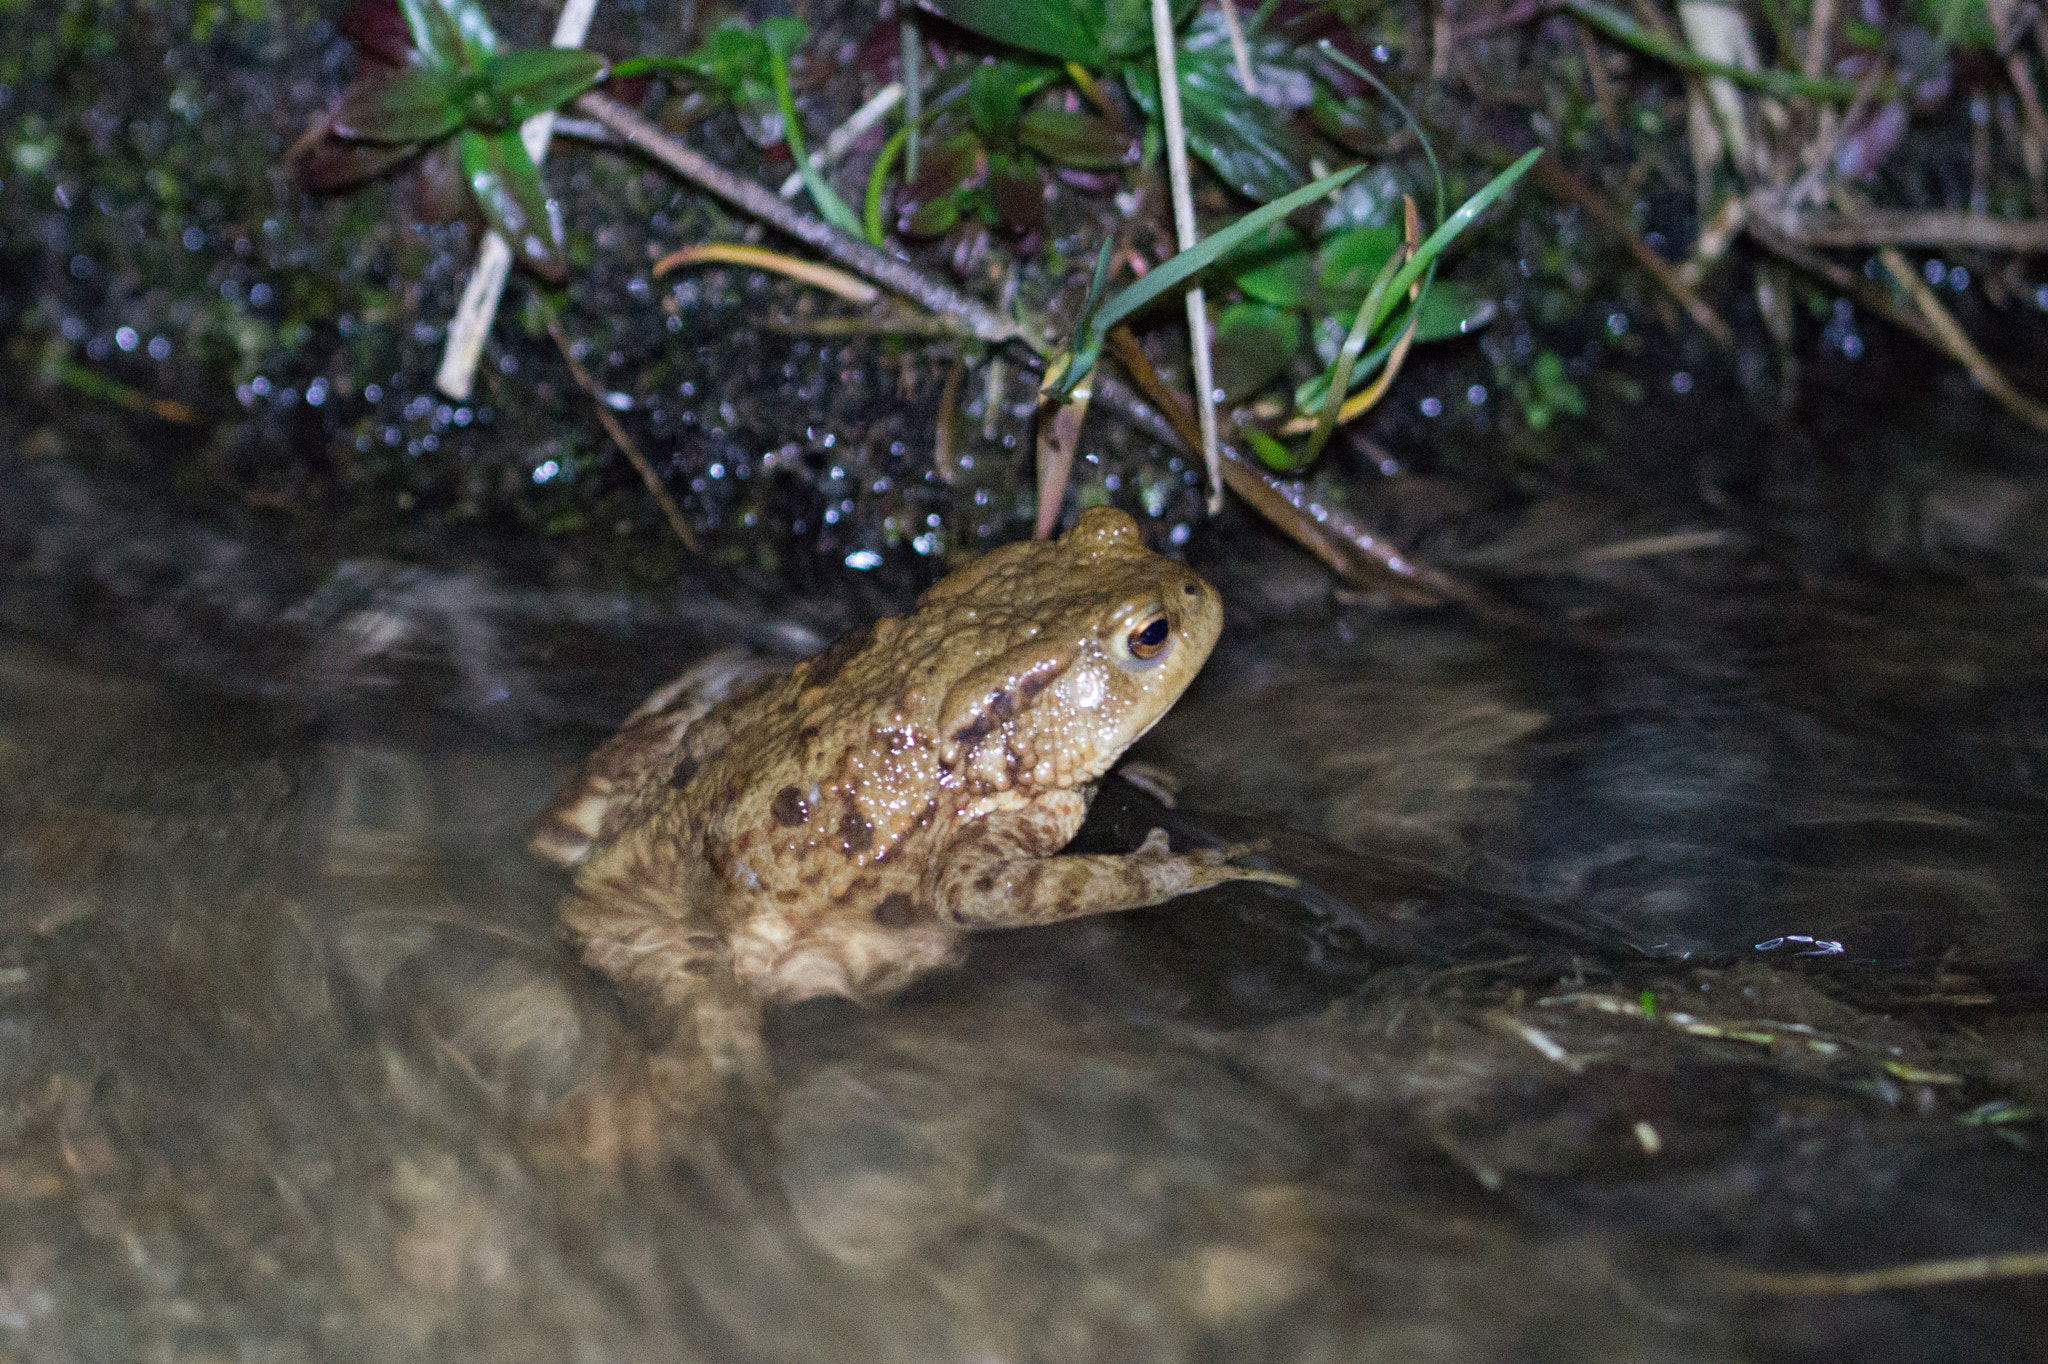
(1893,227)
(1331,534)
(612,428)
(981,321)
(1851,1283)
(1187,234)
(1240,52)
(1951,338)
(471,324)
(848,287)
(1845,281)
(943,462)
(1820,35)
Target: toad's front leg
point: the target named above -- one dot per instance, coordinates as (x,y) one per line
(1003,874)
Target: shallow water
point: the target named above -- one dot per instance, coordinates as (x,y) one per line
(1622,969)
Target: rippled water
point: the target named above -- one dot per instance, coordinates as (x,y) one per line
(1623,969)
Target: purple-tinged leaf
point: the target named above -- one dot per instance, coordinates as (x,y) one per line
(929,204)
(1088,141)
(378,30)
(418,104)
(1018,190)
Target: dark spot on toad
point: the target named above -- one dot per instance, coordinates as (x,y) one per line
(896,911)
(829,664)
(984,884)
(974,731)
(856,835)
(685,770)
(789,807)
(1039,679)
(807,733)
(1192,590)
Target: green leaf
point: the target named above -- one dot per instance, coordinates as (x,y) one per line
(1182,267)
(1254,342)
(418,104)
(1770,80)
(1057,28)
(731,56)
(453,33)
(531,80)
(1273,267)
(1272,453)
(1966,23)
(781,37)
(995,97)
(1450,309)
(507,187)
(1246,141)
(1087,141)
(1350,261)
(1094,33)
(1446,234)
(784,35)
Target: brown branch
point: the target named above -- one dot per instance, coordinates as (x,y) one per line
(758,201)
(612,428)
(1331,534)
(1891,227)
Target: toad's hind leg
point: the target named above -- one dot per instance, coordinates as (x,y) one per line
(704,1068)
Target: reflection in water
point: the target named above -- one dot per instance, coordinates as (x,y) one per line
(293,1064)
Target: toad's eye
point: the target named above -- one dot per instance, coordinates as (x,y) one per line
(1148,641)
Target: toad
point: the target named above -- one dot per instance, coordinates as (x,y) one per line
(837,829)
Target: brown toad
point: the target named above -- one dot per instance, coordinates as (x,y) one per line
(836,829)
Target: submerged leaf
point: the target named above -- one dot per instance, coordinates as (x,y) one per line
(1254,342)
(507,187)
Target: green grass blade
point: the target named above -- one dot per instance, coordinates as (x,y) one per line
(1448,232)
(822,194)
(1176,272)
(1771,81)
